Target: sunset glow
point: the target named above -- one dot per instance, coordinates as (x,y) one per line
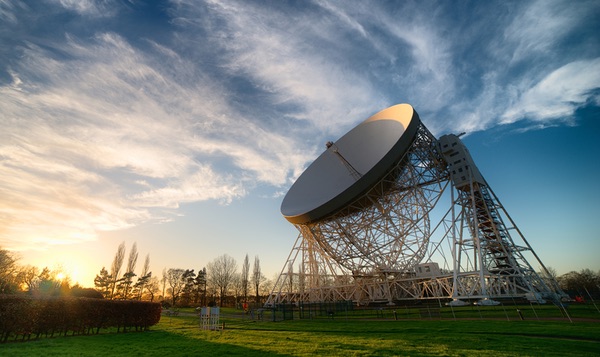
(179,126)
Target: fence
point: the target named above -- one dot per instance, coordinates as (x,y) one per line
(427,310)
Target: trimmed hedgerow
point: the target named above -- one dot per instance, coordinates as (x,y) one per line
(25,317)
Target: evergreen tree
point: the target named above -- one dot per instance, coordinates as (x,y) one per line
(187,292)
(200,284)
(103,282)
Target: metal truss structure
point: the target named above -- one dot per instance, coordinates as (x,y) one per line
(383,248)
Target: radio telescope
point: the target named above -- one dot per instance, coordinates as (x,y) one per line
(389,213)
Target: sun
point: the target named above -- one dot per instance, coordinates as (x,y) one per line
(60,276)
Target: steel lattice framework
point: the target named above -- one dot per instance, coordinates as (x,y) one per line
(383,248)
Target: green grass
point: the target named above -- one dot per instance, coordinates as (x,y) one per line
(357,333)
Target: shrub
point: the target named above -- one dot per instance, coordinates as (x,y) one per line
(24,316)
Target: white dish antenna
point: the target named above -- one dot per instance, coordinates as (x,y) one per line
(351,165)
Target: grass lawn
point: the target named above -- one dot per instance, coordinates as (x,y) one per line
(341,336)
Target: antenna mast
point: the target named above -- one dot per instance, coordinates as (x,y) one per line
(355,174)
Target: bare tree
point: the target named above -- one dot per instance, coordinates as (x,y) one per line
(115,269)
(257,278)
(266,286)
(549,276)
(152,287)
(584,282)
(245,277)
(550,273)
(28,275)
(221,272)
(176,283)
(8,271)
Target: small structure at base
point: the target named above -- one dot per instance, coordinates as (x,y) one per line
(209,318)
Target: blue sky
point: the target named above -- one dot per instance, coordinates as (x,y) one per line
(180,125)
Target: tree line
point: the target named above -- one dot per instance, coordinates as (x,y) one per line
(220,282)
(45,282)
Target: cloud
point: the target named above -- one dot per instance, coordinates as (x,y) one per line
(550,63)
(559,94)
(109,126)
(92,8)
(49,201)
(428,76)
(8,9)
(293,63)
(535,63)
(112,136)
(200,185)
(542,25)
(346,19)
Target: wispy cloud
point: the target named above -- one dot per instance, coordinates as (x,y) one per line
(106,128)
(84,133)
(92,8)
(559,94)
(531,69)
(8,9)
(292,58)
(543,26)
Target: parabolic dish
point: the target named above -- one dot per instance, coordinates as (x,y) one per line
(352,165)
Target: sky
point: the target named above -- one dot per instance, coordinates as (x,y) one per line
(180,125)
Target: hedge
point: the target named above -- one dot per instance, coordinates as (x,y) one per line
(24,317)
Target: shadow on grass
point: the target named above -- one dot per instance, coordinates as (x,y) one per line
(149,343)
(181,336)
